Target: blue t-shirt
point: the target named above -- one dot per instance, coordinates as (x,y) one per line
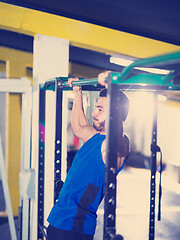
(82,191)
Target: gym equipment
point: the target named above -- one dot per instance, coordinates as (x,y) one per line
(116,81)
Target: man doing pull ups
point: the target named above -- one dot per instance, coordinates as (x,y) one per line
(73,217)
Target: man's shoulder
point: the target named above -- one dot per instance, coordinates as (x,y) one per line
(86,132)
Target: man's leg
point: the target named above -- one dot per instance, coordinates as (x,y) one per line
(57,234)
(81,236)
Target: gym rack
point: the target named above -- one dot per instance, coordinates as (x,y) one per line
(156,83)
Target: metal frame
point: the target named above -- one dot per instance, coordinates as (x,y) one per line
(58,144)
(57,87)
(135,82)
(153,173)
(42,102)
(23,87)
(152,82)
(57,153)
(111,153)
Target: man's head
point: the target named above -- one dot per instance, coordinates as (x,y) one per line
(99,113)
(124,101)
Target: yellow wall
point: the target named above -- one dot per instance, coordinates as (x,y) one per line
(86,35)
(16,63)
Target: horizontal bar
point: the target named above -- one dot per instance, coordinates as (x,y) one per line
(150,62)
(142,81)
(121,78)
(158,60)
(91,81)
(63,82)
(150,79)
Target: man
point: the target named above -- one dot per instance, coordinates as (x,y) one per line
(73,217)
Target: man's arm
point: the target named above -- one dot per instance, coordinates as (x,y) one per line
(78,120)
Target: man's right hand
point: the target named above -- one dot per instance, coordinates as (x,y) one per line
(102,77)
(76,88)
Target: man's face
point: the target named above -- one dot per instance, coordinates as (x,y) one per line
(99,114)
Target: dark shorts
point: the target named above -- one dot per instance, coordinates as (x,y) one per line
(58,234)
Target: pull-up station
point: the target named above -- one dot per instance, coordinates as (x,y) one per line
(138,81)
(127,80)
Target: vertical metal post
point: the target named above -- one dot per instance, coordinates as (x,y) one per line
(111,164)
(42,96)
(58,142)
(153,172)
(25,204)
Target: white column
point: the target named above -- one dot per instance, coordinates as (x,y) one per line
(51,59)
(3,122)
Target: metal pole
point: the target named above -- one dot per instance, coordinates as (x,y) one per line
(111,163)
(154,61)
(25,204)
(58,143)
(42,96)
(153,172)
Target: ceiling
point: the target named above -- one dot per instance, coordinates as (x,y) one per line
(158,20)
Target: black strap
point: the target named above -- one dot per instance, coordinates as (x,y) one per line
(156,148)
(160,188)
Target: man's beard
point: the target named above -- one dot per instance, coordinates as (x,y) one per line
(100,127)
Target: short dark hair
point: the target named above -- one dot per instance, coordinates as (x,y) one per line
(103,92)
(124,101)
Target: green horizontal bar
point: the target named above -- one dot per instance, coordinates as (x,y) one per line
(121,78)
(160,60)
(148,79)
(141,79)
(92,81)
(174,88)
(63,82)
(154,61)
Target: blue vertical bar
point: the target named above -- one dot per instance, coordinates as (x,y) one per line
(42,95)
(153,172)
(58,142)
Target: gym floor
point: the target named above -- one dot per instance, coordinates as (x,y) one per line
(132,214)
